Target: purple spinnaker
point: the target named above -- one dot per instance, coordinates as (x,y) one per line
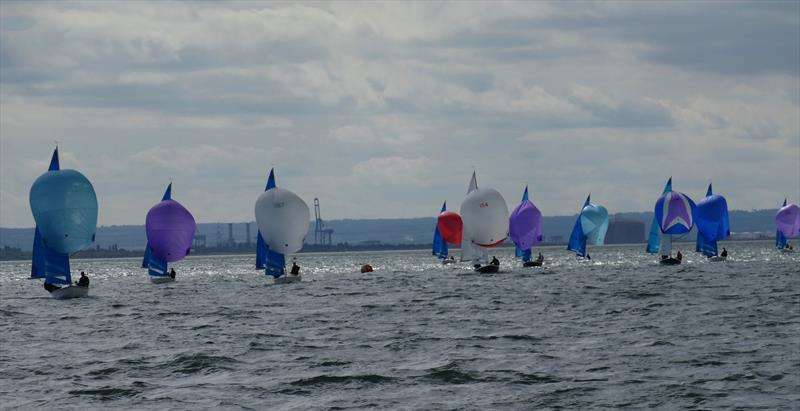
(170,230)
(675,213)
(788,221)
(525,225)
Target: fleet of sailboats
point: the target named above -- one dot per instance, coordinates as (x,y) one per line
(64,207)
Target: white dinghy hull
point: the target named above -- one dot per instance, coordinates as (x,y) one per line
(72,291)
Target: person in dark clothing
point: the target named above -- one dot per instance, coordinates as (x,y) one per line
(83,281)
(495,261)
(172,273)
(50,287)
(679,256)
(588,257)
(724,252)
(540,258)
(295,268)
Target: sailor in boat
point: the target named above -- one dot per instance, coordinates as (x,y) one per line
(83,281)
(495,261)
(724,253)
(540,258)
(679,256)
(50,287)
(172,273)
(295,267)
(588,257)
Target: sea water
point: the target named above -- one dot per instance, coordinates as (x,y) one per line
(619,331)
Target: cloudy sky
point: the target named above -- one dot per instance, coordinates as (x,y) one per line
(383,109)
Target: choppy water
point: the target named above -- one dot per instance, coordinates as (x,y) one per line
(620,332)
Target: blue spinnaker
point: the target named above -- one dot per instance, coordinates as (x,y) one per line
(654,239)
(780,239)
(577,241)
(439,245)
(48,264)
(261,245)
(712,222)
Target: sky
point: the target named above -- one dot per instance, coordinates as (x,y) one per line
(383,110)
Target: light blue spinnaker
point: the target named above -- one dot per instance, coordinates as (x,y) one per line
(780,239)
(654,239)
(577,241)
(261,245)
(439,245)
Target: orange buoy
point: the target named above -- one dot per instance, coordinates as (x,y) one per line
(366,268)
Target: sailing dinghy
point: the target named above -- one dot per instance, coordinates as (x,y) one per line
(673,215)
(481,225)
(787,219)
(64,206)
(712,223)
(525,230)
(439,244)
(590,228)
(282,219)
(170,231)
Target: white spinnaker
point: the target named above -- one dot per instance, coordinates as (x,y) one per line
(282,218)
(485,216)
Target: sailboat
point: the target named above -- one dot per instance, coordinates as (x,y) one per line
(590,227)
(482,224)
(282,219)
(712,224)
(64,206)
(525,229)
(787,220)
(170,231)
(673,214)
(439,244)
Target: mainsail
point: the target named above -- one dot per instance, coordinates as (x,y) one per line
(654,238)
(439,244)
(780,240)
